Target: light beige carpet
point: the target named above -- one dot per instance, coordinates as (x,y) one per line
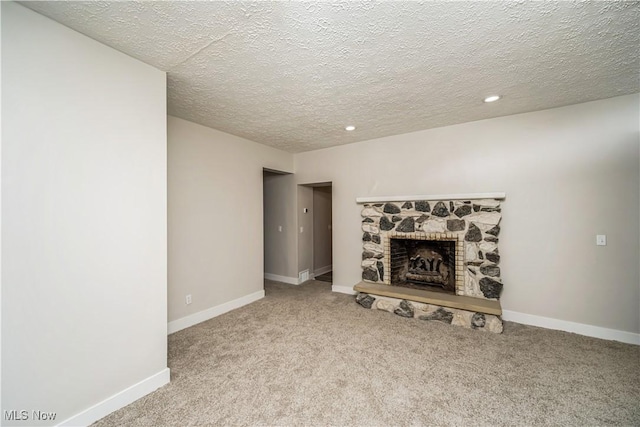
(306,356)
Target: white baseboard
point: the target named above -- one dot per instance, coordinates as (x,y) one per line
(320,271)
(283,279)
(578,328)
(343,289)
(119,400)
(201,316)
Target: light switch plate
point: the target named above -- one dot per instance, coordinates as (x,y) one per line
(601,240)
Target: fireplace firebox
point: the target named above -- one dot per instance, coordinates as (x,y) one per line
(423,264)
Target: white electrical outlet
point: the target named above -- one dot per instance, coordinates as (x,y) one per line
(302,229)
(280,228)
(187,299)
(601,240)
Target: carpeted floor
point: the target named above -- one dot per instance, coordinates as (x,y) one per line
(306,356)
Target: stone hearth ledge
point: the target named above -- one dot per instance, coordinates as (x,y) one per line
(467,196)
(432,297)
(426,305)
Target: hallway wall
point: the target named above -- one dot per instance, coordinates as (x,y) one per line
(322,234)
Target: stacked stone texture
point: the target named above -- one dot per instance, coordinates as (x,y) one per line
(476,222)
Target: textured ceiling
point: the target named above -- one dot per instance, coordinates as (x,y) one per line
(292,74)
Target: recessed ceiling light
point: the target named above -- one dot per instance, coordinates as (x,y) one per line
(350,128)
(492,98)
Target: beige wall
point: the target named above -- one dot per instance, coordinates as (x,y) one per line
(321,228)
(305,229)
(84,238)
(280,211)
(569,173)
(215,215)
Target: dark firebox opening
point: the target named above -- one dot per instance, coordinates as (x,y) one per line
(423,264)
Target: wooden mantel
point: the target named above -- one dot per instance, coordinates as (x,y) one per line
(467,196)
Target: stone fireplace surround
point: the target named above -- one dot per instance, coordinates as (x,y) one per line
(471,221)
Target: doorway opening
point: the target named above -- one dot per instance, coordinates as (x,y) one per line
(323,233)
(297,229)
(315,238)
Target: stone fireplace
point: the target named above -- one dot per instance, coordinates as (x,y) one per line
(439,256)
